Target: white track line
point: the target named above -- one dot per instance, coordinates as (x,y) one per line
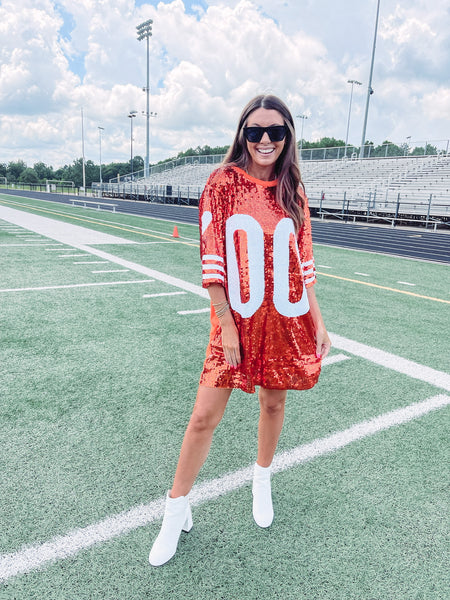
(75,285)
(61,547)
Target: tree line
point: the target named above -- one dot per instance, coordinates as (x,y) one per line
(19,172)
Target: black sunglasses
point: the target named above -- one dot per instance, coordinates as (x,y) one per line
(276,133)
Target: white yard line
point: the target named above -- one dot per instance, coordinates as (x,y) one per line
(194,312)
(112,271)
(174,281)
(75,285)
(393,362)
(64,546)
(334,358)
(163,294)
(90,262)
(73,255)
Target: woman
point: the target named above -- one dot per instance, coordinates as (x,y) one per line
(267,329)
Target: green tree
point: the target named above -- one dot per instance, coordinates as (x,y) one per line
(368,149)
(387,148)
(138,164)
(325,142)
(28,175)
(428,150)
(43,172)
(15,169)
(112,170)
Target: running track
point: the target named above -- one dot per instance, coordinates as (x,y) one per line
(407,242)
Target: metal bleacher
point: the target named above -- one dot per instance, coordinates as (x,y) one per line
(393,189)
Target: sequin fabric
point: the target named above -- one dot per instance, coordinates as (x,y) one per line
(248,245)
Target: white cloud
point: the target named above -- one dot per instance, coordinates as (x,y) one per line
(205,66)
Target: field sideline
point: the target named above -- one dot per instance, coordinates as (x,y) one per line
(102,342)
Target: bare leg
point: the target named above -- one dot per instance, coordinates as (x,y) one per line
(206,415)
(271,418)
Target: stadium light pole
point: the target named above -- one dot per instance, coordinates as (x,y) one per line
(144,31)
(131,116)
(100,129)
(369,87)
(302,117)
(82,151)
(148,116)
(352,81)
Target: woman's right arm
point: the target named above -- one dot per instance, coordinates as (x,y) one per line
(230,334)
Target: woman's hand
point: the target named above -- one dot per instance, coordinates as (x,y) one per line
(230,335)
(230,340)
(323,343)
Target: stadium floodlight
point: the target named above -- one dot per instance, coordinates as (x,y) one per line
(302,117)
(131,115)
(352,81)
(144,32)
(100,129)
(369,87)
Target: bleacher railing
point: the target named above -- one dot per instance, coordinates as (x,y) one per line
(425,210)
(389,150)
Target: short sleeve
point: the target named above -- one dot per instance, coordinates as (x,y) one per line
(212,233)
(305,247)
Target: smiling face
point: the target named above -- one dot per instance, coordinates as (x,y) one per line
(264,154)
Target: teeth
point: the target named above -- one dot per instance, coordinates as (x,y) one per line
(265,151)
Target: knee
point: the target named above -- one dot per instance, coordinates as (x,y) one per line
(272,402)
(203,421)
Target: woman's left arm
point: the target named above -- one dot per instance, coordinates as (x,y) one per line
(323,342)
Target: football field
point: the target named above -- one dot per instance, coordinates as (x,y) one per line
(104,326)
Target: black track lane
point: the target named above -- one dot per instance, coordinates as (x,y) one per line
(408,242)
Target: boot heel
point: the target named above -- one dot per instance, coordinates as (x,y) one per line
(188,523)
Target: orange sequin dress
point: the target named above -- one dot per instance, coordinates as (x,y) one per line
(248,244)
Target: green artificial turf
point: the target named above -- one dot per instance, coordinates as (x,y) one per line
(97,385)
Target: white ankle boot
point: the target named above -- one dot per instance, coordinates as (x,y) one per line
(177,518)
(262,496)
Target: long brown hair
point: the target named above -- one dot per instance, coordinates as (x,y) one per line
(287,168)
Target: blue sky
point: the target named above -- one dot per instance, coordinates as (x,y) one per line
(207,58)
(76,60)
